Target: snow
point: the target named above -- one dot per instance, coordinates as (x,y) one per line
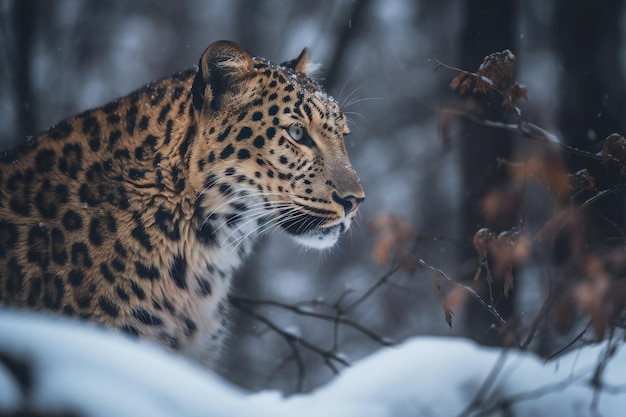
(78,367)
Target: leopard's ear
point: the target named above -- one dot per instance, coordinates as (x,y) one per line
(300,64)
(221,66)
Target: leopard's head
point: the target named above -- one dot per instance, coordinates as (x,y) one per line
(272,147)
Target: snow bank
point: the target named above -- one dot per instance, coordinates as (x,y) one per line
(79,368)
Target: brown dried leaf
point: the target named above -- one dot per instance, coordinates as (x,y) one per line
(466,85)
(517,92)
(455,298)
(448,312)
(482,242)
(479,270)
(508,281)
(512,245)
(462,82)
(445,128)
(497,69)
(601,293)
(546,165)
(496,72)
(567,224)
(590,295)
(581,181)
(456,81)
(509,248)
(382,248)
(393,232)
(501,202)
(614,147)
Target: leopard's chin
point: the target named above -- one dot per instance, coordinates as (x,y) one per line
(308,231)
(320,238)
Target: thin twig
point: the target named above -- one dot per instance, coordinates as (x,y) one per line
(299,364)
(596,381)
(600,195)
(395,268)
(484,389)
(297,309)
(490,83)
(469,290)
(277,369)
(570,344)
(505,402)
(545,308)
(290,338)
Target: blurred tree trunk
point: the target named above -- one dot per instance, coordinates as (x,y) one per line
(488,26)
(347,32)
(23,14)
(588,42)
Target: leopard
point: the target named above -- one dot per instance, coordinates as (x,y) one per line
(136,215)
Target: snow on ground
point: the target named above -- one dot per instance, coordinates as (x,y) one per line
(56,366)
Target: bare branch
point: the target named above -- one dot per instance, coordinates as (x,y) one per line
(575,340)
(474,294)
(486,386)
(491,85)
(600,195)
(294,342)
(395,268)
(541,315)
(338,318)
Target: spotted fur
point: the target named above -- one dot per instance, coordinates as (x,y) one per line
(136,214)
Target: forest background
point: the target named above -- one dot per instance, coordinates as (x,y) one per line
(495,210)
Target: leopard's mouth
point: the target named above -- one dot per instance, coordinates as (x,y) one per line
(303,223)
(309,231)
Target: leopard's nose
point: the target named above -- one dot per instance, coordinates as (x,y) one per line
(349,203)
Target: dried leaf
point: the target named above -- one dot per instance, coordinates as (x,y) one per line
(462,82)
(445,128)
(455,298)
(502,202)
(581,181)
(509,248)
(518,91)
(512,245)
(449,315)
(508,281)
(448,312)
(466,85)
(382,248)
(482,241)
(504,250)
(499,69)
(393,232)
(496,72)
(566,225)
(590,295)
(614,147)
(478,271)
(456,81)
(546,165)
(522,248)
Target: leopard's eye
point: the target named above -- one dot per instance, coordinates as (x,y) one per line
(296,132)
